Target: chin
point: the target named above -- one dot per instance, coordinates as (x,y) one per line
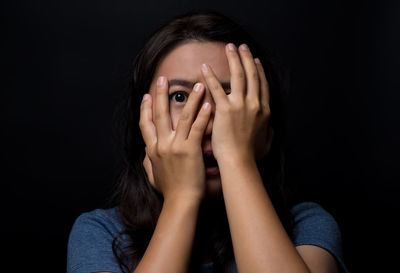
(214,187)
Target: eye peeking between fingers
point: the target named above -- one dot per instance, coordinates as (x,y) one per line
(178,97)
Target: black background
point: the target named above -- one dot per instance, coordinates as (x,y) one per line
(65,65)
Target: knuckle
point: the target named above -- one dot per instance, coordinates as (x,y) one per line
(240,75)
(214,85)
(267,110)
(254,106)
(142,107)
(160,90)
(264,117)
(177,149)
(184,116)
(162,149)
(237,106)
(151,151)
(141,124)
(224,109)
(158,115)
(209,77)
(197,128)
(254,75)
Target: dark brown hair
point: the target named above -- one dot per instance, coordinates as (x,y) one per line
(139,205)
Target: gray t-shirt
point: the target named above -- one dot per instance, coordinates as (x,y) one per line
(90,240)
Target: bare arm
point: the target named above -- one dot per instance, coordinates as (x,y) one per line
(170,247)
(260,242)
(240,134)
(318,259)
(171,244)
(175,167)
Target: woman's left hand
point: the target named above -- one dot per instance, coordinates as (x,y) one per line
(241,123)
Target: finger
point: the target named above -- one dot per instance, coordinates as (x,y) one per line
(149,169)
(146,121)
(216,90)
(252,78)
(264,94)
(162,118)
(238,76)
(200,124)
(189,112)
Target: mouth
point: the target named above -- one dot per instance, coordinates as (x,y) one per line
(210,164)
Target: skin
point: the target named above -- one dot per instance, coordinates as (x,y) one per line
(183,64)
(176,137)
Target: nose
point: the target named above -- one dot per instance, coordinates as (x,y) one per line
(208,98)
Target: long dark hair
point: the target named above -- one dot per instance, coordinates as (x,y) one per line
(139,205)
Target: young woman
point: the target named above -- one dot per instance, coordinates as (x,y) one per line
(203,188)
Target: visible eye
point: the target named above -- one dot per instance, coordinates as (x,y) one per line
(228,91)
(179,97)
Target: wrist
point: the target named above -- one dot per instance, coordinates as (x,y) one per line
(181,208)
(236,159)
(182,200)
(232,167)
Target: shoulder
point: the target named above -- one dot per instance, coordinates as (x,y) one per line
(313,225)
(313,222)
(105,219)
(90,241)
(99,224)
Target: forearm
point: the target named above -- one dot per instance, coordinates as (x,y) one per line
(170,247)
(260,242)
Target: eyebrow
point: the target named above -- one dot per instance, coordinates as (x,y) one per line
(189,84)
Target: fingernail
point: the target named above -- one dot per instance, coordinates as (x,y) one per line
(161,81)
(206,105)
(243,47)
(204,67)
(231,47)
(146,97)
(197,87)
(257,60)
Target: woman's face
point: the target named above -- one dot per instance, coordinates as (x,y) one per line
(182,67)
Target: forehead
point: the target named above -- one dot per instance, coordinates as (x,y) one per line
(185,61)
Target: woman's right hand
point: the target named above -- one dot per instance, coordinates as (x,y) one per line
(174,162)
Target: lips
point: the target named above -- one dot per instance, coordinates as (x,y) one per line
(210,163)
